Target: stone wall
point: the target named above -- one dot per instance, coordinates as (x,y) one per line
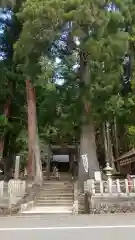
(81,203)
(111,204)
(109,196)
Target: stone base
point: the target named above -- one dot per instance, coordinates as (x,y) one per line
(104,205)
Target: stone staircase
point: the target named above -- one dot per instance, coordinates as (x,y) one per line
(55,196)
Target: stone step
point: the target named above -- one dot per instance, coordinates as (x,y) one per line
(52,174)
(54,193)
(48,210)
(56,187)
(58,193)
(43,214)
(55,197)
(54,200)
(54,204)
(58,183)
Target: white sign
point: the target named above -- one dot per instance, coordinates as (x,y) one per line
(85,162)
(98,176)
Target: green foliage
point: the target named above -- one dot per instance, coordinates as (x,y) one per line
(3,125)
(102,39)
(131,135)
(3,120)
(78,32)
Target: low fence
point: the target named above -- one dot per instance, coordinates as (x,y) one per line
(110,196)
(14,190)
(114,187)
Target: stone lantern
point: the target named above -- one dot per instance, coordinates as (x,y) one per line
(108,170)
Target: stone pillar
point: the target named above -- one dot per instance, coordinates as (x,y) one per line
(17,167)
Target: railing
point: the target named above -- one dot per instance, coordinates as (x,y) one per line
(111,187)
(15,188)
(111,196)
(16,191)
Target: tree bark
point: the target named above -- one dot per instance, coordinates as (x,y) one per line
(87,139)
(6,114)
(34,160)
(88,146)
(31,131)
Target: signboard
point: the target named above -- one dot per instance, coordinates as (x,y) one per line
(85,162)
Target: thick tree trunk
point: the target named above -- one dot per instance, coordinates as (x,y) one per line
(88,160)
(34,161)
(31,131)
(6,114)
(88,147)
